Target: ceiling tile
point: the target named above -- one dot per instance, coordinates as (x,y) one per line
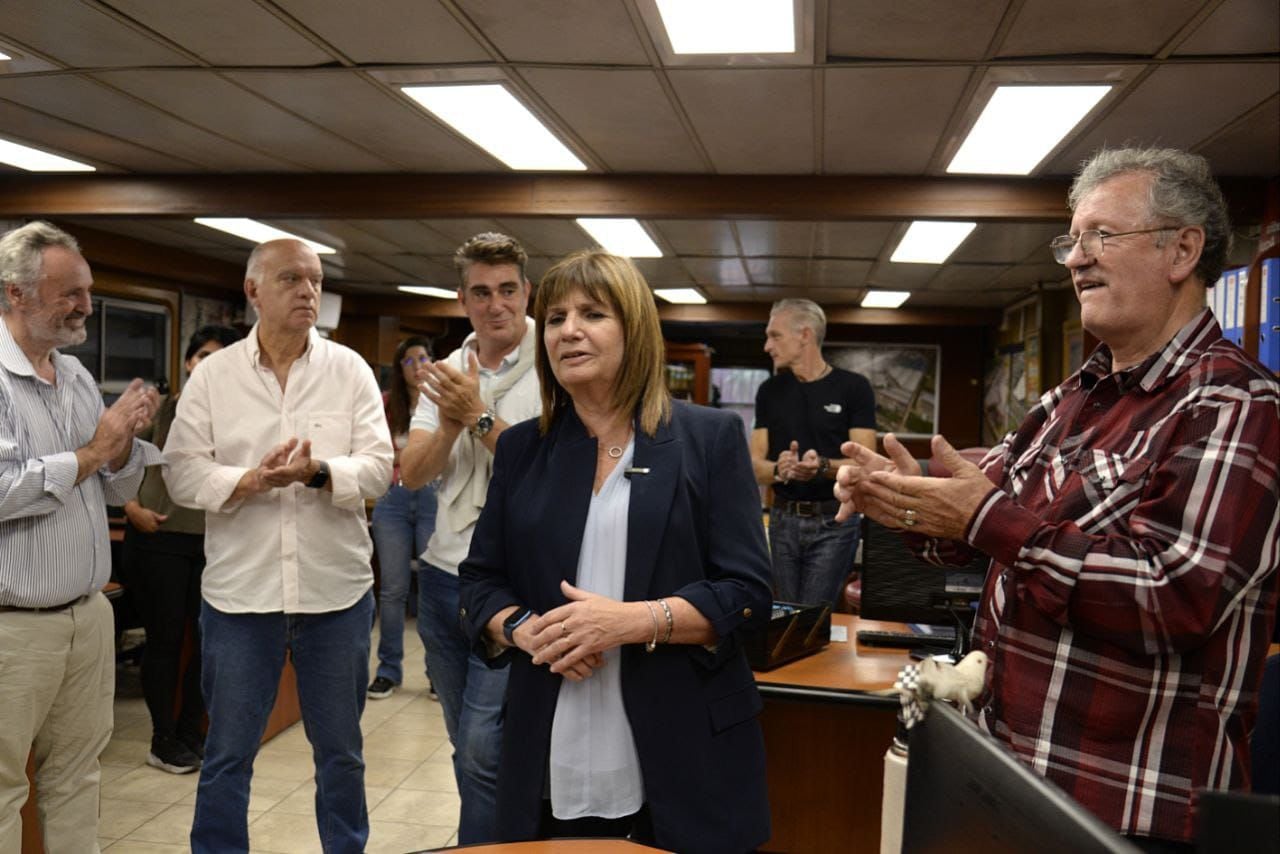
(985,298)
(698,237)
(409,235)
(850,239)
(839,273)
(226,32)
(1237,26)
(966,277)
(107,111)
(82,35)
(868,131)
(1046,27)
(763,238)
(60,137)
(1157,113)
(912,29)
(725,272)
(366,113)
(551,237)
(458,231)
(1008,243)
(1251,147)
(558,30)
(664,272)
(206,99)
(1031,274)
(184,235)
(419,267)
(623,116)
(372,270)
(402,31)
(751,121)
(790,272)
(339,233)
(908,276)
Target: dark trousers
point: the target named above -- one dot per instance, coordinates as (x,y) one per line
(164,575)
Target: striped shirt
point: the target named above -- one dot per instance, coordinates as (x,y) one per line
(54,545)
(1133,588)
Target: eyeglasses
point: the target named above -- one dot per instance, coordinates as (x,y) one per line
(410,361)
(1093,242)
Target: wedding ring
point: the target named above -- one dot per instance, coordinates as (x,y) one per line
(908,517)
(563,630)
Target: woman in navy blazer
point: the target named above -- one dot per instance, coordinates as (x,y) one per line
(652,678)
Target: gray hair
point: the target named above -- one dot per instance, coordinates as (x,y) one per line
(489,247)
(22,256)
(804,313)
(1183,192)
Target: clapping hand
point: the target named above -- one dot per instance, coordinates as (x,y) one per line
(282,466)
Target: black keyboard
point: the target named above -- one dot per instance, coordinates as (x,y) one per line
(904,640)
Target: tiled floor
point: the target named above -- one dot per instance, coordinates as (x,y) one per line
(413,801)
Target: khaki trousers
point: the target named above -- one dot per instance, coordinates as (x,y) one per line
(57,683)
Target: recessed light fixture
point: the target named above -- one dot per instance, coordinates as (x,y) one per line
(1022,124)
(729,26)
(621,236)
(494,119)
(930,242)
(680,296)
(885,299)
(35,160)
(259,232)
(428,291)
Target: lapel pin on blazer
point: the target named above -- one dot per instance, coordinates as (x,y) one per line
(630,470)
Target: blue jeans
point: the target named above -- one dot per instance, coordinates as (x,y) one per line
(243,656)
(403,521)
(812,556)
(471,694)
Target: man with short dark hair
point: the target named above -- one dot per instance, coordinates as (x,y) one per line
(803,414)
(1131,519)
(469,399)
(280,438)
(63,458)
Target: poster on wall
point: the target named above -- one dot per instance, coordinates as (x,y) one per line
(905,378)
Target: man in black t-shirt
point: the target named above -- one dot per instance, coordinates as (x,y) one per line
(803,414)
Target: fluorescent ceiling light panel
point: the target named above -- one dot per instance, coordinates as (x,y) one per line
(258,232)
(35,160)
(885,299)
(429,291)
(491,117)
(4,56)
(680,296)
(929,242)
(1020,125)
(729,26)
(621,236)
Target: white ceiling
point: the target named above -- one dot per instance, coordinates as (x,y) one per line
(309,87)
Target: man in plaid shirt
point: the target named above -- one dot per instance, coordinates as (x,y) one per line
(1131,519)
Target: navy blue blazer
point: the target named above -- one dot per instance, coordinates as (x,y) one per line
(694,531)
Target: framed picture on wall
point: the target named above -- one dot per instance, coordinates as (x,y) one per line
(905,378)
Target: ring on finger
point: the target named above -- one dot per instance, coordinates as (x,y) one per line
(909,517)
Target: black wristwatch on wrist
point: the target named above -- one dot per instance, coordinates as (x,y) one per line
(320,478)
(510,624)
(824,466)
(484,423)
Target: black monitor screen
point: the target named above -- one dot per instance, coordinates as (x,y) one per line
(967,793)
(898,586)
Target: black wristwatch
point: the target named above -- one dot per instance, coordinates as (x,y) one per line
(484,424)
(824,466)
(510,624)
(320,478)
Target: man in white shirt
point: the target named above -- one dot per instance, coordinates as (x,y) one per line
(280,438)
(470,397)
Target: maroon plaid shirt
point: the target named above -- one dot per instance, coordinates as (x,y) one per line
(1133,588)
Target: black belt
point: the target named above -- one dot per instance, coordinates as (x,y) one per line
(64,606)
(808,508)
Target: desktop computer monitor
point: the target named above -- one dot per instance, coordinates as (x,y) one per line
(967,793)
(899,587)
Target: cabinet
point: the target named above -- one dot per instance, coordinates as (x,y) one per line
(689,372)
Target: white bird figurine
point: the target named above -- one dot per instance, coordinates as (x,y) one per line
(920,684)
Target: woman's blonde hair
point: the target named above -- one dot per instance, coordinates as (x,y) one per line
(613,281)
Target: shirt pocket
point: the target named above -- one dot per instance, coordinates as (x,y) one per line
(329,433)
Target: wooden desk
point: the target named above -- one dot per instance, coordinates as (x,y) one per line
(825,739)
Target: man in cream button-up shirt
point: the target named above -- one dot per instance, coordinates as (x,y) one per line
(280,438)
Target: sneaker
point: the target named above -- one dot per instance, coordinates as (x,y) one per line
(431,692)
(193,740)
(169,754)
(381,688)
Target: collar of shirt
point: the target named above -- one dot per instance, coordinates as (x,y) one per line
(14,360)
(254,348)
(1182,351)
(471,342)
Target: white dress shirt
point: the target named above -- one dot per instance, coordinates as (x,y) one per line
(54,545)
(447,548)
(291,549)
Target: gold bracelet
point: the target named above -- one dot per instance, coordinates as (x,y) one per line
(670,623)
(649,646)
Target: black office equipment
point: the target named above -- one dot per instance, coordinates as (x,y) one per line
(967,793)
(906,640)
(1238,821)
